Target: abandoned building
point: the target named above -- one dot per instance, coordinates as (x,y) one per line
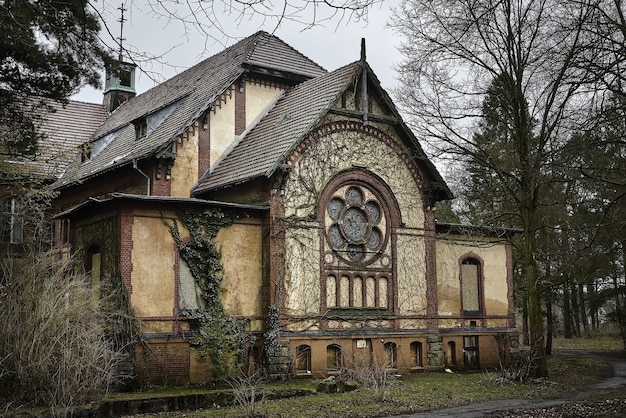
(323,207)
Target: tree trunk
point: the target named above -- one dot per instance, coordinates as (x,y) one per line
(593,306)
(618,300)
(567,313)
(619,310)
(550,323)
(539,363)
(575,311)
(583,310)
(525,338)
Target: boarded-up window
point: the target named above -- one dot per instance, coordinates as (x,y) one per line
(470,285)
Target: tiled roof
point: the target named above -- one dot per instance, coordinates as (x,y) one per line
(268,143)
(195,90)
(65,127)
(260,152)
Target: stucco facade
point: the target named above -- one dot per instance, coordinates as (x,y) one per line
(330,207)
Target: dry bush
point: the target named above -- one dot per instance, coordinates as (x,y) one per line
(248,392)
(55,341)
(374,374)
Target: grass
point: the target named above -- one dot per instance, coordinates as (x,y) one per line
(422,392)
(600,343)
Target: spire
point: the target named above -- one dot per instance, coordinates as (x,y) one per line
(364,93)
(119,85)
(121,39)
(362,49)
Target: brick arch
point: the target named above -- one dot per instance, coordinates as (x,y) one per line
(357,126)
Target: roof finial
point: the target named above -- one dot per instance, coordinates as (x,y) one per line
(121,39)
(363,49)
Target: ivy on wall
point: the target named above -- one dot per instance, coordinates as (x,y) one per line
(221,337)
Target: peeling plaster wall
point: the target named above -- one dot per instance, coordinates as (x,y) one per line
(240,246)
(302,283)
(258,97)
(153,275)
(185,168)
(222,125)
(493,255)
(411,274)
(223,115)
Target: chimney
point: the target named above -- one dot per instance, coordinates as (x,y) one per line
(119,85)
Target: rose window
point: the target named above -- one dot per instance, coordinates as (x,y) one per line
(355,224)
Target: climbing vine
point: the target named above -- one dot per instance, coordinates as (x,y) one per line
(221,337)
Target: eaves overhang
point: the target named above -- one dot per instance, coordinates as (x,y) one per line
(94,201)
(465,229)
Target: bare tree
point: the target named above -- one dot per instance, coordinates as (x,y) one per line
(454,52)
(216,21)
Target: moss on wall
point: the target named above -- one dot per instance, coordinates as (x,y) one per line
(100,231)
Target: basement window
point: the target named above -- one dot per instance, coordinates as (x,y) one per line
(333,358)
(470,351)
(303,360)
(391,354)
(416,355)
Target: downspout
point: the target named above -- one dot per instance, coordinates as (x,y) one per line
(143,174)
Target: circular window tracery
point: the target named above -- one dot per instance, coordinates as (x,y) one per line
(355,224)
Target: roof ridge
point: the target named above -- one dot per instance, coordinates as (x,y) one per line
(270,36)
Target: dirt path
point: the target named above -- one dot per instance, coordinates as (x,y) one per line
(585,403)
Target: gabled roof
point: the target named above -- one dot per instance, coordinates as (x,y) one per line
(192,92)
(267,145)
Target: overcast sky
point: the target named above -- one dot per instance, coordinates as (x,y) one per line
(332,45)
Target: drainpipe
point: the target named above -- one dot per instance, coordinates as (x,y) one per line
(143,174)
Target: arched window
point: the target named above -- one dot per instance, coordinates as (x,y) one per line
(416,354)
(303,359)
(451,353)
(471,282)
(391,355)
(333,358)
(357,213)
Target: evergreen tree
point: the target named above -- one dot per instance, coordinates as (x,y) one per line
(48,50)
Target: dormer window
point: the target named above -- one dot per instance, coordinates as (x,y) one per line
(85,153)
(141,128)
